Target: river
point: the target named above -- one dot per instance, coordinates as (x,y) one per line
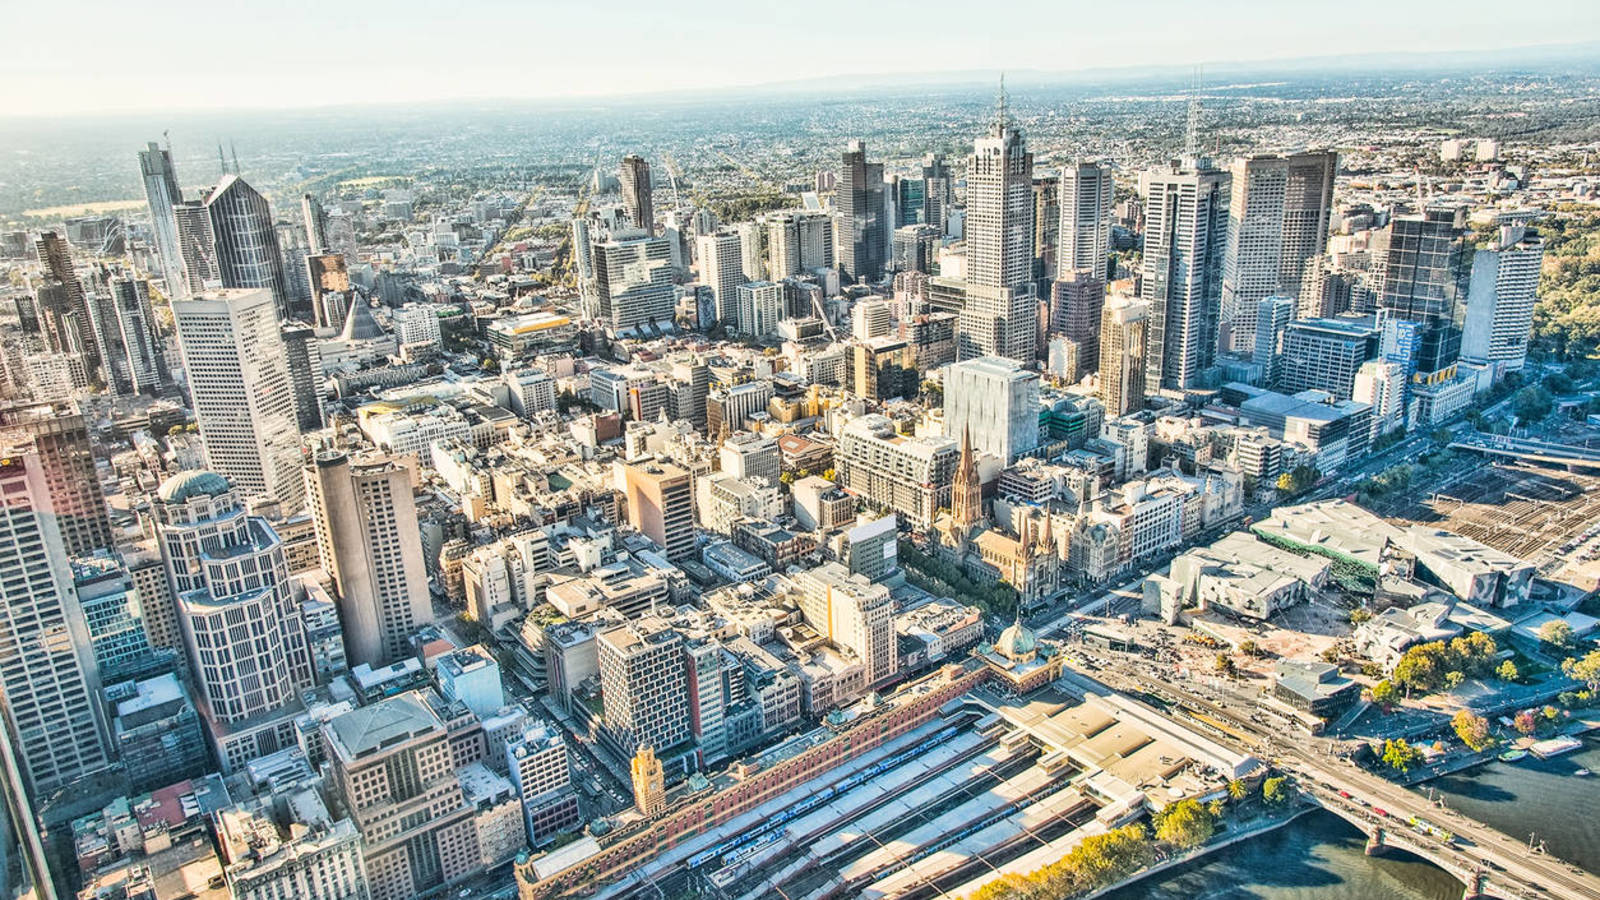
(1321,856)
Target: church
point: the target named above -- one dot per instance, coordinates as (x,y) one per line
(1034,560)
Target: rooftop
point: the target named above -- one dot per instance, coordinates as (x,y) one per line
(386,723)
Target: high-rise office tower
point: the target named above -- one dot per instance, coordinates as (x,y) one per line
(798,242)
(1277,223)
(1084,238)
(107,333)
(58,318)
(198,246)
(1500,299)
(910,202)
(239,378)
(305,367)
(1046,223)
(235,607)
(637,193)
(1124,339)
(1427,275)
(1075,304)
(140,336)
(371,546)
(162,194)
(1186,218)
(392,765)
(721,256)
(59,434)
(56,259)
(51,685)
(661,506)
(760,308)
(752,250)
(996,401)
(246,243)
(1325,354)
(1273,315)
(644,685)
(999,318)
(862,233)
(633,278)
(936,191)
(316,219)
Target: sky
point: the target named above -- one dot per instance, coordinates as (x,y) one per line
(95,56)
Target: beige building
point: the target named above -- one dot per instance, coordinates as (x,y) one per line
(661,506)
(371,545)
(1124,330)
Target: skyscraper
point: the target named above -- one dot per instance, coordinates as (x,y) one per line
(996,402)
(637,193)
(198,246)
(1427,275)
(49,678)
(140,336)
(936,192)
(241,626)
(370,542)
(798,242)
(1273,315)
(243,392)
(1277,222)
(56,259)
(1500,299)
(1124,338)
(721,258)
(999,318)
(1075,304)
(162,194)
(862,233)
(633,279)
(854,613)
(316,224)
(1186,217)
(247,254)
(59,434)
(1084,238)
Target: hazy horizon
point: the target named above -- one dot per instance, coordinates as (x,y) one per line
(111,59)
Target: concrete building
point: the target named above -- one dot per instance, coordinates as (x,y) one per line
(1186,216)
(661,506)
(1124,347)
(1474,572)
(1325,355)
(371,546)
(391,767)
(908,475)
(532,391)
(58,436)
(999,317)
(760,309)
(300,852)
(1084,239)
(1500,299)
(643,686)
(997,402)
(538,765)
(638,192)
(238,373)
(853,614)
(1277,222)
(471,676)
(862,228)
(720,257)
(798,242)
(746,454)
(50,682)
(633,277)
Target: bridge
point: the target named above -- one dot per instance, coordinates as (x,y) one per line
(1488,862)
(1528,450)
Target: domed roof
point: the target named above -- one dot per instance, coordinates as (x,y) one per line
(193,483)
(1016,642)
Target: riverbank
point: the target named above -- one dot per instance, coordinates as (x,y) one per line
(1255,830)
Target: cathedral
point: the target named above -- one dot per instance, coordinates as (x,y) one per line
(1034,560)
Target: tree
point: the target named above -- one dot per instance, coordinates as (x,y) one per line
(1557,633)
(1453,680)
(1398,754)
(1385,694)
(1224,665)
(1525,723)
(1237,789)
(1186,824)
(1473,730)
(1532,404)
(1508,671)
(1585,669)
(1275,791)
(1250,648)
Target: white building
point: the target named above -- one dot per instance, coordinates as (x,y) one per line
(720,256)
(532,391)
(417,323)
(1499,317)
(996,401)
(760,309)
(1186,217)
(998,318)
(238,373)
(1084,240)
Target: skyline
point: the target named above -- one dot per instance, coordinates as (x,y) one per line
(389,55)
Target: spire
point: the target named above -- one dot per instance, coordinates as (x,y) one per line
(1002,112)
(235,151)
(1191,136)
(966,498)
(222,161)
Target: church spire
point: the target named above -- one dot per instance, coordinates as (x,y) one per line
(966,493)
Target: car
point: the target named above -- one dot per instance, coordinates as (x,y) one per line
(1345,794)
(1377,811)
